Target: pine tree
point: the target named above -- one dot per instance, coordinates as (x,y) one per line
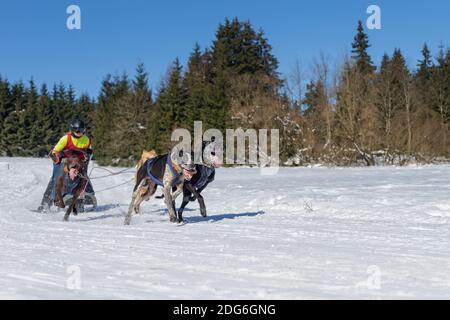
(60,123)
(244,71)
(440,86)
(400,74)
(424,65)
(422,81)
(316,101)
(360,54)
(393,100)
(103,121)
(131,111)
(13,134)
(85,108)
(197,80)
(140,83)
(6,107)
(29,123)
(45,131)
(70,106)
(142,98)
(384,98)
(401,100)
(171,109)
(239,49)
(114,101)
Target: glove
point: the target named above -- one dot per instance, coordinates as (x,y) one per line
(56,157)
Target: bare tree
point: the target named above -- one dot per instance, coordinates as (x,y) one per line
(321,70)
(295,83)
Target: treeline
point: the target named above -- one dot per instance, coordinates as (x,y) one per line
(357,112)
(32,119)
(389,114)
(232,83)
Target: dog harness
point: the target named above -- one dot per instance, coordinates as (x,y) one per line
(150,163)
(70,185)
(205,173)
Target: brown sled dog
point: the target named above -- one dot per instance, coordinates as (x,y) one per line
(73,167)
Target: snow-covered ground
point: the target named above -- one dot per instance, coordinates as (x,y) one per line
(304,233)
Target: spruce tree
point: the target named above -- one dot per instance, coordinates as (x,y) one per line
(197,80)
(59,121)
(140,83)
(316,101)
(13,134)
(6,107)
(239,49)
(103,121)
(109,129)
(85,108)
(171,109)
(70,106)
(360,55)
(45,131)
(243,69)
(131,110)
(29,121)
(142,98)
(400,74)
(440,86)
(424,65)
(384,98)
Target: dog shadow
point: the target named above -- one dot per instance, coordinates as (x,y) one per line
(164,211)
(101,208)
(220,217)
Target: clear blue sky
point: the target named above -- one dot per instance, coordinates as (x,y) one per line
(117,35)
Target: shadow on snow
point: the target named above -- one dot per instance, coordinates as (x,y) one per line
(225,216)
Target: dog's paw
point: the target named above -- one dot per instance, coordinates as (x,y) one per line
(60,204)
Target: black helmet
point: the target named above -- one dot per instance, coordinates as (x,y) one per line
(78,126)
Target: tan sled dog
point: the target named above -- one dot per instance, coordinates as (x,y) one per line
(145,156)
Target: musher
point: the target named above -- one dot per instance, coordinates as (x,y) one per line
(76,142)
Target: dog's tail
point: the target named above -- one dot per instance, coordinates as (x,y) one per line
(144,157)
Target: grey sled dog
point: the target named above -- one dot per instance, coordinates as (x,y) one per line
(168,171)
